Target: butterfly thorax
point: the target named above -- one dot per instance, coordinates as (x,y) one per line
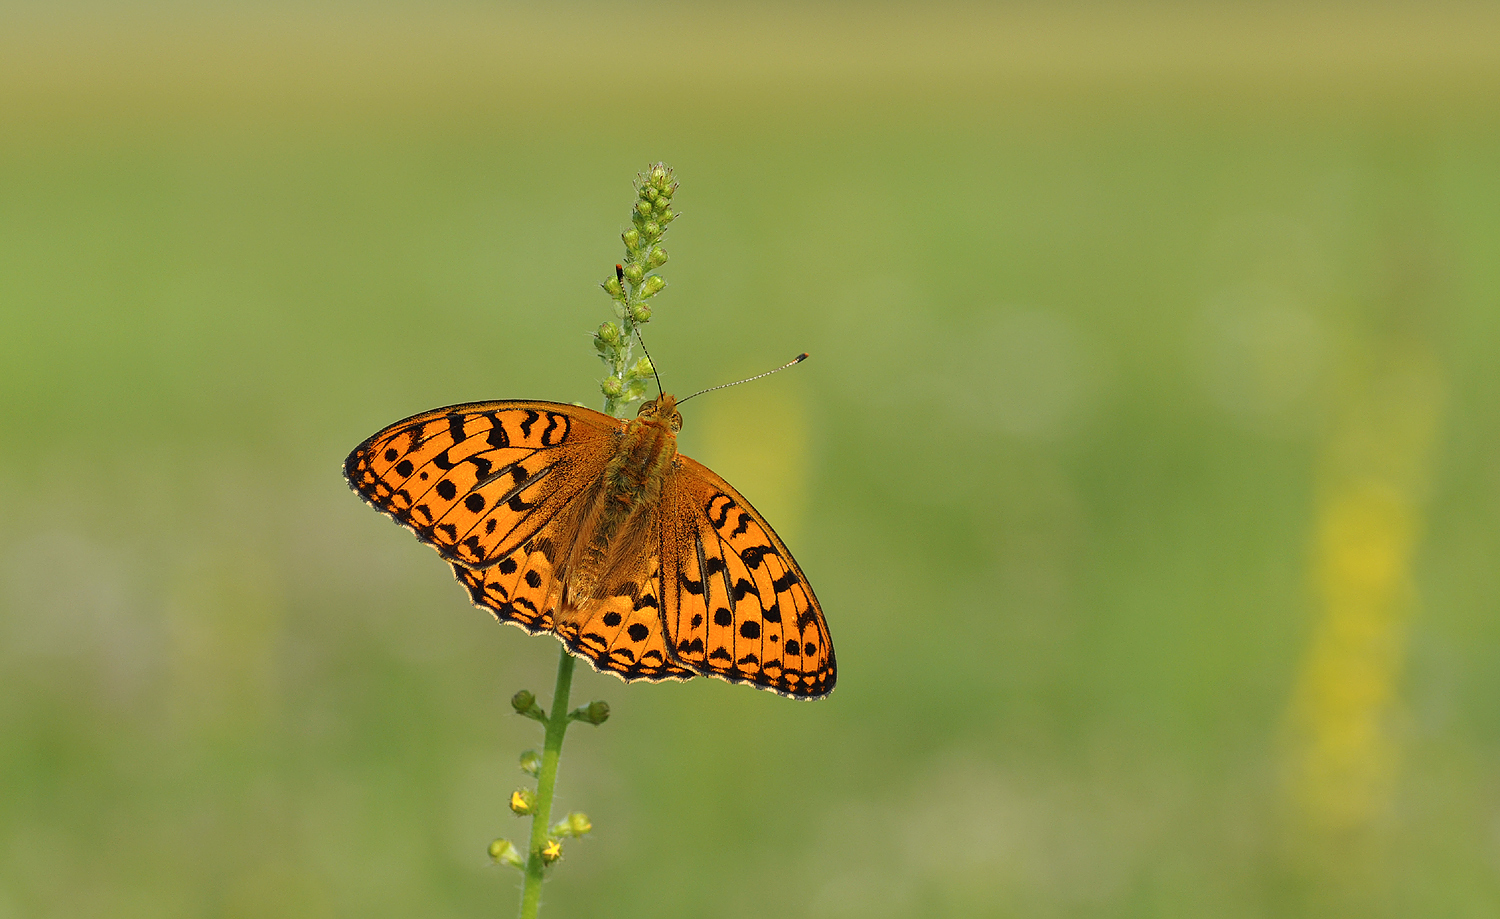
(625,501)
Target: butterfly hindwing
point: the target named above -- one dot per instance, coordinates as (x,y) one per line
(476,481)
(737,606)
(620,633)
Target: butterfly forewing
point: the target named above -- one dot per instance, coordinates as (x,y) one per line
(476,481)
(737,606)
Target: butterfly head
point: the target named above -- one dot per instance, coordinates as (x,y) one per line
(662,410)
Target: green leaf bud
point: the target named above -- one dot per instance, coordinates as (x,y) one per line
(551,851)
(640,313)
(503,851)
(658,257)
(523,801)
(611,387)
(634,393)
(655,285)
(531,763)
(632,238)
(634,272)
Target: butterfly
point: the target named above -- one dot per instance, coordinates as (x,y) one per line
(562,519)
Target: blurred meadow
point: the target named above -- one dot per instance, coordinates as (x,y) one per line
(1147,464)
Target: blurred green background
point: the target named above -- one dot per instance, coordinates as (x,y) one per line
(1147,465)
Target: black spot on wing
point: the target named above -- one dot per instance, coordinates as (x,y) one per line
(556,431)
(752,556)
(497,438)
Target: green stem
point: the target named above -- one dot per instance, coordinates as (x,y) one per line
(557,725)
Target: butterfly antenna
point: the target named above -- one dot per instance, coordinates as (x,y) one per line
(648,357)
(796,360)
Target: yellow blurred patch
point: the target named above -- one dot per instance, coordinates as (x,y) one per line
(757,439)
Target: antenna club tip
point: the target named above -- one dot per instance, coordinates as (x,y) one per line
(800,358)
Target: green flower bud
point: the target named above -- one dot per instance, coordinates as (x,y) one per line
(660,174)
(650,191)
(611,387)
(634,272)
(633,393)
(643,208)
(609,333)
(658,257)
(642,368)
(652,231)
(613,287)
(640,313)
(551,851)
(655,285)
(531,763)
(597,711)
(575,824)
(525,704)
(632,238)
(523,801)
(501,850)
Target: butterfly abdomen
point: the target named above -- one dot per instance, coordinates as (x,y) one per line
(623,507)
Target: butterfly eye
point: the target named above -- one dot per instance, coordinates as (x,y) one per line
(647,408)
(676,421)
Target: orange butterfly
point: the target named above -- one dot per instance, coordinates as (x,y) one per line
(562,519)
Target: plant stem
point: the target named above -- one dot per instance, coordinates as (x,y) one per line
(557,725)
